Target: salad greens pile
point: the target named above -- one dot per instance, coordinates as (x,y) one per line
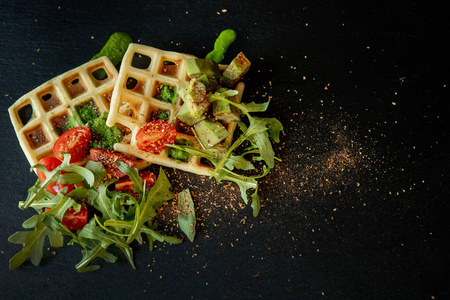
(119,218)
(257,132)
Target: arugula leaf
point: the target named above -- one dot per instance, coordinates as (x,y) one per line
(256,203)
(239,162)
(90,255)
(267,154)
(32,241)
(274,127)
(38,190)
(152,234)
(97,170)
(90,231)
(186,214)
(103,202)
(133,173)
(160,192)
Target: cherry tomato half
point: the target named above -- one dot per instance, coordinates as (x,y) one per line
(50,163)
(153,136)
(75,141)
(74,220)
(125,184)
(110,160)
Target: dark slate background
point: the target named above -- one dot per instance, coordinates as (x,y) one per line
(358,209)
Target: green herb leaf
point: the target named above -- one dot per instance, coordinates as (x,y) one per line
(256,203)
(33,243)
(103,202)
(186,214)
(239,162)
(134,176)
(160,192)
(90,255)
(263,143)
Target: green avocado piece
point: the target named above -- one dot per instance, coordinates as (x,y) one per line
(221,107)
(197,67)
(223,110)
(195,98)
(210,133)
(184,115)
(235,70)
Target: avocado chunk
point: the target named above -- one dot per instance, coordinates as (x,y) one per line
(210,133)
(223,110)
(205,70)
(195,98)
(221,107)
(235,70)
(197,67)
(184,115)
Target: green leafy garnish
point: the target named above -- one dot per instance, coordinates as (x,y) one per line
(257,133)
(118,220)
(186,214)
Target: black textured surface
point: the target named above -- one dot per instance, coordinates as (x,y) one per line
(358,209)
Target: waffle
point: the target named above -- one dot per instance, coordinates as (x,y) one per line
(39,116)
(134,102)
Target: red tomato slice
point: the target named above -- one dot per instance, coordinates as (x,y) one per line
(50,163)
(110,160)
(153,136)
(75,142)
(74,220)
(125,184)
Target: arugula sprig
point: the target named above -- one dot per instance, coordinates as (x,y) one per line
(119,218)
(258,132)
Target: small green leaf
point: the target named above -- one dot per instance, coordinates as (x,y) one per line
(98,170)
(160,192)
(90,255)
(32,242)
(256,203)
(262,141)
(103,202)
(186,214)
(134,176)
(239,162)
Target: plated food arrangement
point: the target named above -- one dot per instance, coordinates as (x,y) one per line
(90,133)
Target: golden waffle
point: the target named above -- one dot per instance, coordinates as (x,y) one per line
(39,116)
(134,102)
